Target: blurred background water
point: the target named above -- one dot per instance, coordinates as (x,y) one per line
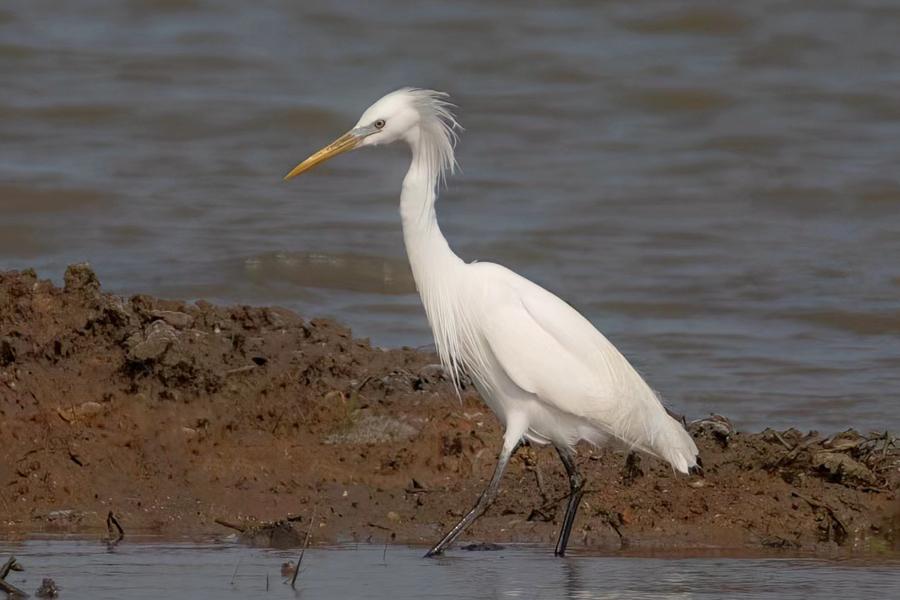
(716,186)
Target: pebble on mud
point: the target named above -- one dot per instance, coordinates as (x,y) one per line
(83,410)
(374,429)
(839,466)
(152,343)
(176,319)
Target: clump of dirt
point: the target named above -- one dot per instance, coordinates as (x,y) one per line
(179,417)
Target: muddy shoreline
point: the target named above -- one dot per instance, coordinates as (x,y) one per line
(179,417)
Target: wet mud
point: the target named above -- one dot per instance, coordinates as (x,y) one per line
(190,419)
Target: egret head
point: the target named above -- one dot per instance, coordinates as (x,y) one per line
(422,118)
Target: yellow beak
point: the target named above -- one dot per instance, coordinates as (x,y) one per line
(345,143)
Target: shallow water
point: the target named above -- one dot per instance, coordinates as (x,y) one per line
(716,187)
(199,571)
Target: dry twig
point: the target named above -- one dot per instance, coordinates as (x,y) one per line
(9,566)
(112,521)
(11,590)
(303,551)
(225,523)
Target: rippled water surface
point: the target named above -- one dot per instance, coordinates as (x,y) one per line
(198,571)
(715,185)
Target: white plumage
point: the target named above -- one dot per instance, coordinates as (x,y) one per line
(544,369)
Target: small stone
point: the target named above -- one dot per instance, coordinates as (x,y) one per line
(392,516)
(279,318)
(118,311)
(719,427)
(176,319)
(89,409)
(84,410)
(64,518)
(374,429)
(841,467)
(48,589)
(152,343)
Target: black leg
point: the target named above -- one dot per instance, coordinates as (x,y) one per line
(484,501)
(576,490)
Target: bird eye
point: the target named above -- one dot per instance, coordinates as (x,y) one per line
(379,124)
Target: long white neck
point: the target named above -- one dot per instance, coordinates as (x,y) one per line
(426,246)
(434,265)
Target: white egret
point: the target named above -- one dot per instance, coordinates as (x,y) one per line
(545,371)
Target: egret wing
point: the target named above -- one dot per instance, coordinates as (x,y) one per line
(548,349)
(535,360)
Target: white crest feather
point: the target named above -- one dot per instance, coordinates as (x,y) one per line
(439,131)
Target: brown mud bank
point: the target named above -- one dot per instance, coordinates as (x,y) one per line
(175,416)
